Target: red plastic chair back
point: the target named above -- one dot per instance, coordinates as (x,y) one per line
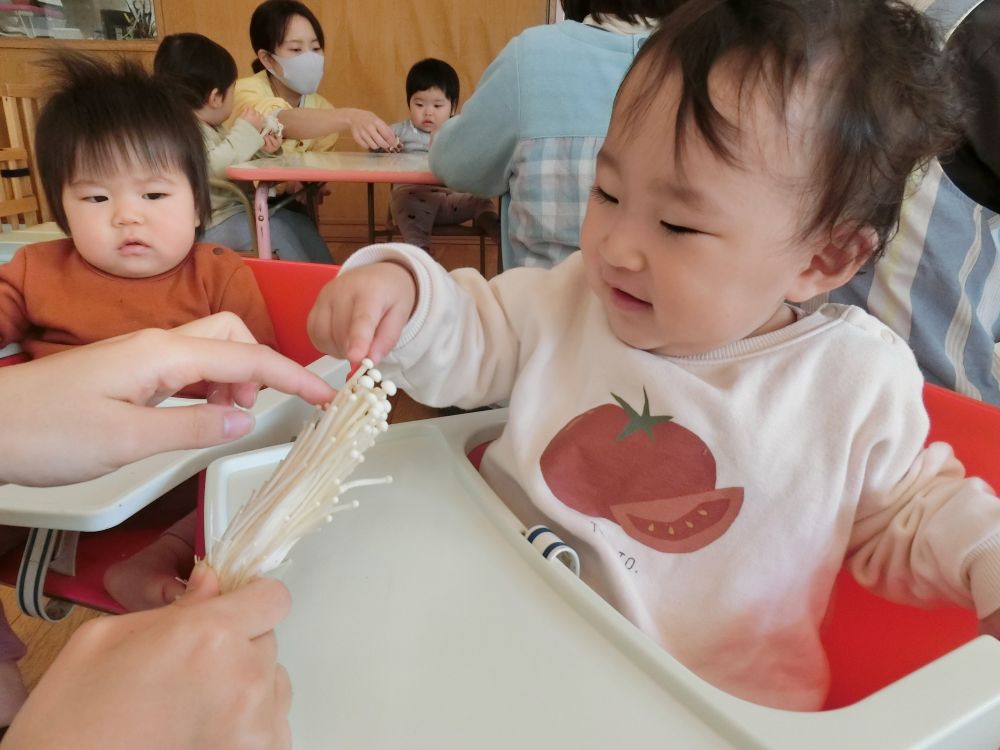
(872,642)
(289,290)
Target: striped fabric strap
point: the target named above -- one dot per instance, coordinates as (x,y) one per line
(41,547)
(553,548)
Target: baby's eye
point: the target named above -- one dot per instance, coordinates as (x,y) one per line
(154,196)
(602,197)
(95,198)
(675,229)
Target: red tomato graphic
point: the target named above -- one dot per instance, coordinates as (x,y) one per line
(646,473)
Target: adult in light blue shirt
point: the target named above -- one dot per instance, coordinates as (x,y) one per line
(533,127)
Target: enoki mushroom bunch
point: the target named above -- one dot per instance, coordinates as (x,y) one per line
(304,491)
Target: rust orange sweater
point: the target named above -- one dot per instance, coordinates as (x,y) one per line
(51,299)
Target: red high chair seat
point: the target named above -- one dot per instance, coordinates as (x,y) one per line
(289,290)
(872,642)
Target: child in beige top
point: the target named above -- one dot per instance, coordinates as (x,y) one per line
(204,75)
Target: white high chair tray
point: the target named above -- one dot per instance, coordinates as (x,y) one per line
(424,619)
(107,501)
(12,241)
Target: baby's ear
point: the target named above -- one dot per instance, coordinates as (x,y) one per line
(835,262)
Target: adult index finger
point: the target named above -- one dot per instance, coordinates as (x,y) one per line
(231,362)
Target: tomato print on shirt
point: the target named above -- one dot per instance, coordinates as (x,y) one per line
(646,473)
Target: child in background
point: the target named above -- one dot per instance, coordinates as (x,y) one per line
(432,96)
(205,75)
(713,453)
(123,166)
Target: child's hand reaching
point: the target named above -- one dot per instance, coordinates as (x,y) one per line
(252,116)
(272,143)
(990,625)
(362,312)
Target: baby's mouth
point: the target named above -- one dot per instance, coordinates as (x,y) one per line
(133,247)
(623,298)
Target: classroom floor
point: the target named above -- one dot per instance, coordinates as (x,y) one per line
(44,640)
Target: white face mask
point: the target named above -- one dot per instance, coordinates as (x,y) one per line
(303,72)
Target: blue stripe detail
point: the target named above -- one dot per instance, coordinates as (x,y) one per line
(32,535)
(551,548)
(29,605)
(536,532)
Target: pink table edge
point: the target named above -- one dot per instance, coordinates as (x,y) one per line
(312,174)
(267,175)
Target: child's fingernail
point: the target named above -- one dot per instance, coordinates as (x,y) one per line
(237,423)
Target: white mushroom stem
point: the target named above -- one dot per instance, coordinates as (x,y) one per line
(304,491)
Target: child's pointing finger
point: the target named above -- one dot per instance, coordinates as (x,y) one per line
(361,332)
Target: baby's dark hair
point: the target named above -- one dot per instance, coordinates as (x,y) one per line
(270,21)
(630,11)
(196,66)
(889,104)
(432,73)
(104,117)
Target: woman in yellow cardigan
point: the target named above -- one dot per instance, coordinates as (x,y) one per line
(288,40)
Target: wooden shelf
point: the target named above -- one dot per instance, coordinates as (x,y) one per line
(97,45)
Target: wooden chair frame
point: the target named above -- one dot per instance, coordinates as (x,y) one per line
(19,204)
(21,105)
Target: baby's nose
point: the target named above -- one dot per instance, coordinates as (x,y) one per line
(624,249)
(126,213)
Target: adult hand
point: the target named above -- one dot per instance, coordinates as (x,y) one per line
(362,312)
(84,412)
(199,674)
(370,131)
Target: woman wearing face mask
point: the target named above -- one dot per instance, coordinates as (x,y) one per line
(288,41)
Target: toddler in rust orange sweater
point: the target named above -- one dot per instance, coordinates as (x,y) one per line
(122,163)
